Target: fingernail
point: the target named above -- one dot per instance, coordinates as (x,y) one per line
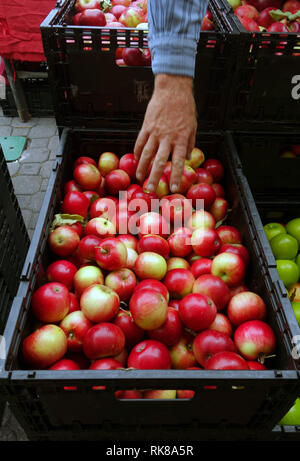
(174,188)
(150,187)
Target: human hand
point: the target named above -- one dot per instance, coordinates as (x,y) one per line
(169,127)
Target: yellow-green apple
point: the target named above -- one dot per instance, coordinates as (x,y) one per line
(148,308)
(254,339)
(273,228)
(150,265)
(131,17)
(180,242)
(181,353)
(209,342)
(229,267)
(87,176)
(44,346)
(99,303)
(50,302)
(102,340)
(205,242)
(111,254)
(87,276)
(63,240)
(229,234)
(153,243)
(175,262)
(222,324)
(149,354)
(131,258)
(116,181)
(107,162)
(170,331)
(246,306)
(213,287)
(75,325)
(159,394)
(133,333)
(122,281)
(196,158)
(179,283)
(101,227)
(61,271)
(219,208)
(201,219)
(197,311)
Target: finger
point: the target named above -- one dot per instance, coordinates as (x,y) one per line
(178,159)
(191,144)
(148,153)
(158,165)
(140,143)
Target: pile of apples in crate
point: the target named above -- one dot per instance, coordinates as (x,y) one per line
(268,15)
(146,280)
(119,14)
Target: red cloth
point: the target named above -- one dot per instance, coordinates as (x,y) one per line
(20,35)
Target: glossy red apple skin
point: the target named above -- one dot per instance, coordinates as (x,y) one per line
(75,202)
(101,227)
(153,223)
(155,285)
(103,340)
(130,241)
(226,361)
(65,364)
(255,365)
(71,186)
(103,207)
(229,234)
(213,287)
(133,333)
(122,281)
(87,245)
(179,282)
(170,331)
(237,248)
(219,208)
(148,308)
(108,363)
(209,342)
(201,219)
(75,325)
(99,303)
(180,242)
(63,241)
(111,254)
(254,338)
(84,159)
(87,176)
(129,164)
(153,243)
(176,209)
(74,303)
(182,355)
(201,266)
(116,181)
(205,242)
(230,268)
(61,271)
(215,167)
(50,302)
(246,306)
(128,394)
(197,311)
(222,324)
(202,195)
(149,355)
(44,346)
(150,265)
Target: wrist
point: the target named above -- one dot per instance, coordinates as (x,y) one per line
(168,81)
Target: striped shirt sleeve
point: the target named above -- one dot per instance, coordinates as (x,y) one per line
(174,29)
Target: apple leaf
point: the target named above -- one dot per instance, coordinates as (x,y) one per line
(105,5)
(278,15)
(65,220)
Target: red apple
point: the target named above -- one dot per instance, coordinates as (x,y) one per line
(185,393)
(219,208)
(249,24)
(132,256)
(219,190)
(180,242)
(75,19)
(143,201)
(117,10)
(87,176)
(213,287)
(153,243)
(129,164)
(101,227)
(247,11)
(222,324)
(181,353)
(116,181)
(202,196)
(85,277)
(150,265)
(179,283)
(229,267)
(148,308)
(201,266)
(84,159)
(132,189)
(174,303)
(75,325)
(44,346)
(215,167)
(238,249)
(107,162)
(105,364)
(87,245)
(170,331)
(81,5)
(65,364)
(265,19)
(159,394)
(149,355)
(154,285)
(238,289)
(153,223)
(254,339)
(103,207)
(254,365)
(128,394)
(278,27)
(293,6)
(99,303)
(63,240)
(205,242)
(204,175)
(74,303)
(162,189)
(130,241)
(50,302)
(92,17)
(122,281)
(175,262)
(92,195)
(75,202)
(61,271)
(201,219)
(71,186)
(133,333)
(111,254)
(229,234)
(131,17)
(209,342)
(196,158)
(176,209)
(103,340)
(246,306)
(197,311)
(226,361)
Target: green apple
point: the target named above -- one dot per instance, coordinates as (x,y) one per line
(284,246)
(297,260)
(273,228)
(293,228)
(296,309)
(288,271)
(234,3)
(292,417)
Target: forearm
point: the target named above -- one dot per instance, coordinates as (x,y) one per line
(174,29)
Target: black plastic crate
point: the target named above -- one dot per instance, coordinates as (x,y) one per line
(14,242)
(88,88)
(264,92)
(243,402)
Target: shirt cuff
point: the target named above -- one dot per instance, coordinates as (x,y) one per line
(173,55)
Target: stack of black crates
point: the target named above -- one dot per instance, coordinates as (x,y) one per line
(98,107)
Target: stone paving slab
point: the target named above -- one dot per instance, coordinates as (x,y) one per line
(30,175)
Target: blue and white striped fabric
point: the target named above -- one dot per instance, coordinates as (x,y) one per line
(174,29)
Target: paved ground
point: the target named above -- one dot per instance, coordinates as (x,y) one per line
(30,176)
